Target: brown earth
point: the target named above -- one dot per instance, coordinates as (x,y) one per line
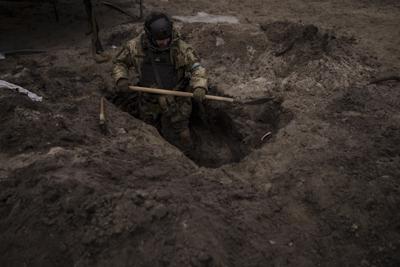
(321,190)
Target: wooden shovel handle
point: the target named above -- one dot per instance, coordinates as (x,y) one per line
(176,93)
(102,114)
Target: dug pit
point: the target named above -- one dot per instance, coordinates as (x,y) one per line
(225,133)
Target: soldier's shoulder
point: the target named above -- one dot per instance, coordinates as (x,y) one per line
(182,44)
(135,43)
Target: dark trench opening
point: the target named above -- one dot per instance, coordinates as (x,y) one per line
(222,132)
(227,132)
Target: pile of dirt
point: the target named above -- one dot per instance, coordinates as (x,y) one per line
(27,125)
(305,41)
(314,56)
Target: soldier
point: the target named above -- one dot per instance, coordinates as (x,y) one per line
(161,59)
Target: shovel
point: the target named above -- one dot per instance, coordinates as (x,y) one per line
(102,118)
(176,93)
(150,90)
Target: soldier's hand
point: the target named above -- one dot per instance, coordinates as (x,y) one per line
(199,94)
(122,86)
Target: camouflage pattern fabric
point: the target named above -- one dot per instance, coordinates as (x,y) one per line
(168,113)
(183,56)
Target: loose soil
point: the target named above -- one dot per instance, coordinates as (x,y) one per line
(322,189)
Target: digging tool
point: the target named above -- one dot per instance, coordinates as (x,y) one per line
(256,101)
(102,118)
(176,93)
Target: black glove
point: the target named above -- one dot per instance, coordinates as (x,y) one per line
(199,94)
(122,86)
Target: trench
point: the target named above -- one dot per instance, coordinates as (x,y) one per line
(226,133)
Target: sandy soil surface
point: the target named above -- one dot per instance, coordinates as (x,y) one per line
(322,189)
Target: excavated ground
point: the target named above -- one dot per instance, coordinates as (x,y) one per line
(322,189)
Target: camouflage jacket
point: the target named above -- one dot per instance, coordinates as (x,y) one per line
(186,62)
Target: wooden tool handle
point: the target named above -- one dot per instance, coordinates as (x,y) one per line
(102,115)
(176,93)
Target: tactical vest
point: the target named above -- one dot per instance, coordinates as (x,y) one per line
(158,63)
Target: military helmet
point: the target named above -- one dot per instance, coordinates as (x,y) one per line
(158,26)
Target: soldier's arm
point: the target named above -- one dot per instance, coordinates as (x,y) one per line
(194,68)
(122,63)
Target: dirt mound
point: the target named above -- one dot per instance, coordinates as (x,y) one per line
(142,218)
(306,41)
(27,125)
(300,45)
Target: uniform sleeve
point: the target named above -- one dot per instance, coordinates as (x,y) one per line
(122,63)
(197,71)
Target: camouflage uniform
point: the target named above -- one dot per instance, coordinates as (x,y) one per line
(178,68)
